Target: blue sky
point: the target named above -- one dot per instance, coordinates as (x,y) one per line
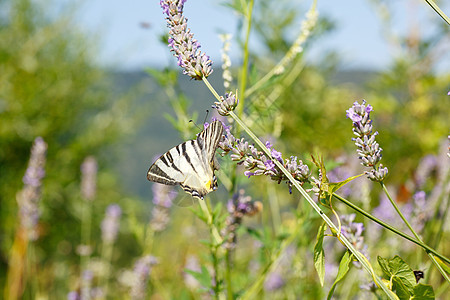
(125,44)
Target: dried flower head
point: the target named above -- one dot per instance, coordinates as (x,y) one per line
(28,198)
(369,150)
(182,43)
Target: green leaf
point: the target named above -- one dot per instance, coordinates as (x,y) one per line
(202,277)
(199,213)
(319,255)
(400,289)
(397,268)
(217,210)
(344,266)
(335,186)
(423,292)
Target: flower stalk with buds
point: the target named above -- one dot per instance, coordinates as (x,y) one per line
(369,150)
(182,43)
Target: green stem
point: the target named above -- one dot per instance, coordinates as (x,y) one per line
(363,260)
(228,274)
(209,221)
(244,71)
(107,251)
(414,232)
(389,227)
(86,216)
(438,11)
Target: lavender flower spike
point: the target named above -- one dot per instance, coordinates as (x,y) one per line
(89,178)
(182,43)
(110,224)
(28,198)
(225,106)
(369,150)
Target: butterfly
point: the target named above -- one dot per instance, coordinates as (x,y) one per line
(191,164)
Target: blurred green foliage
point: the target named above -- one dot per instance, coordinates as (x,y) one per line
(50,87)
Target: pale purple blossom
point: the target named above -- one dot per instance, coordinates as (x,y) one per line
(163,196)
(28,199)
(274,281)
(110,224)
(89,178)
(257,163)
(353,231)
(141,274)
(227,104)
(182,43)
(238,207)
(369,151)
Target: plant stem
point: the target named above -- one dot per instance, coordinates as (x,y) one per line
(414,232)
(228,254)
(438,10)
(244,71)
(209,221)
(363,260)
(389,227)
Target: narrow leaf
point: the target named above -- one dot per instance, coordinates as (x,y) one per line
(319,254)
(344,267)
(334,186)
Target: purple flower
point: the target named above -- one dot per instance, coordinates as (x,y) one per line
(110,224)
(163,195)
(270,166)
(238,207)
(141,274)
(28,198)
(369,151)
(182,43)
(73,296)
(353,232)
(426,166)
(256,163)
(89,178)
(274,281)
(225,106)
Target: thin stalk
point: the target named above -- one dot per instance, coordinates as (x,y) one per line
(228,274)
(438,11)
(363,260)
(414,232)
(389,227)
(244,71)
(209,221)
(107,251)
(274,259)
(86,216)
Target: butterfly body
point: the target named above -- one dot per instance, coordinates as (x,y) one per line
(190,164)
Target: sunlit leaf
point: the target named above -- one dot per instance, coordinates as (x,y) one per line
(319,254)
(344,267)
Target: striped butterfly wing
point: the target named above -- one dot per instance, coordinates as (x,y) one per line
(190,164)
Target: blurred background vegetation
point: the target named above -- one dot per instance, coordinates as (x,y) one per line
(51,87)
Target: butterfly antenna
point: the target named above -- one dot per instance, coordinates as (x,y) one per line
(206,117)
(192,121)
